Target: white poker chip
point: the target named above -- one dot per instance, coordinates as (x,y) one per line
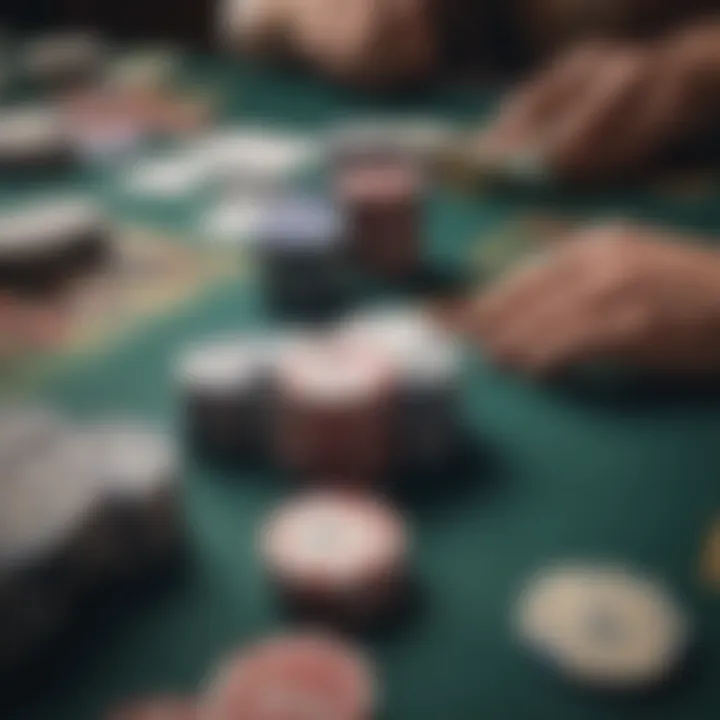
(31,131)
(173,176)
(331,373)
(420,349)
(604,625)
(44,501)
(334,541)
(224,365)
(131,460)
(235,221)
(44,224)
(62,53)
(24,428)
(255,155)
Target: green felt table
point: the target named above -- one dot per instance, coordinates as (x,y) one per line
(624,471)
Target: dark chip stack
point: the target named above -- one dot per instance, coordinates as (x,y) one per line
(303,263)
(382,198)
(47,243)
(225,387)
(34,138)
(45,498)
(138,523)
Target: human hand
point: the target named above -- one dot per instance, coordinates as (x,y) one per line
(615,292)
(604,109)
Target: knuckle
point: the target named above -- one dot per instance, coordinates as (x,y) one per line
(637,320)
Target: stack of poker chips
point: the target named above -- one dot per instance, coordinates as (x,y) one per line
(429,362)
(304,266)
(47,242)
(382,198)
(81,508)
(338,555)
(334,409)
(34,137)
(343,410)
(138,523)
(227,384)
(376,392)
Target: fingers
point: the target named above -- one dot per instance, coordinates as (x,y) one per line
(605,114)
(528,111)
(565,308)
(604,108)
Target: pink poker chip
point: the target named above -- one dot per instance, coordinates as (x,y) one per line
(382,183)
(340,547)
(335,407)
(293,677)
(334,373)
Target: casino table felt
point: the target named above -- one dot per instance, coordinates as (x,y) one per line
(556,471)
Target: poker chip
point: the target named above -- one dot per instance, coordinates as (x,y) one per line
(24,429)
(51,240)
(341,553)
(302,258)
(402,331)
(382,200)
(255,157)
(604,626)
(235,221)
(226,386)
(158,708)
(428,364)
(44,501)
(63,57)
(33,137)
(139,524)
(334,413)
(293,677)
(174,176)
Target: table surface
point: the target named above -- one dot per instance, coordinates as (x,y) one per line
(597,469)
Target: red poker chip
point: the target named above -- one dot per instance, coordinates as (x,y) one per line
(293,678)
(382,183)
(342,550)
(383,205)
(160,708)
(324,372)
(335,406)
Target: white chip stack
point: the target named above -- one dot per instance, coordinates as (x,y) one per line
(45,498)
(51,240)
(33,136)
(139,525)
(429,366)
